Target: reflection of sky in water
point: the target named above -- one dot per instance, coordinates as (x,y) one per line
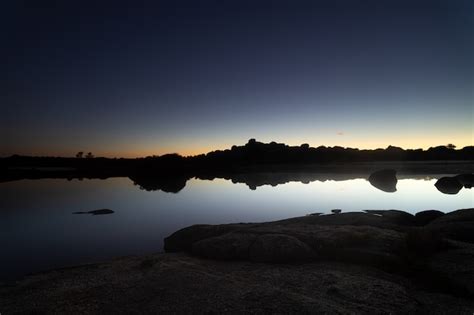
(39,231)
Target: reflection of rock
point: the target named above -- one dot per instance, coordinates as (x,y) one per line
(167,183)
(467,180)
(448,185)
(385,180)
(96,212)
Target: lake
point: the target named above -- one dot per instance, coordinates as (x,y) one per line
(39,230)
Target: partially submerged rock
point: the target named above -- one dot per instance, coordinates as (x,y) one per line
(448,185)
(385,180)
(96,212)
(467,180)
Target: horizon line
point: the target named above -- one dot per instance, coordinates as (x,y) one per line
(229,148)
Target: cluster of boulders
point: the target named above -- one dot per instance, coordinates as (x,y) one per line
(391,240)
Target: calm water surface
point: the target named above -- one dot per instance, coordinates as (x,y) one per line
(39,231)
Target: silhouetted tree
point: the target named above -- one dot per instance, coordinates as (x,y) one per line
(89,155)
(451,146)
(79,155)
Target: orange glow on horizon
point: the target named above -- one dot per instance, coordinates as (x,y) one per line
(185,149)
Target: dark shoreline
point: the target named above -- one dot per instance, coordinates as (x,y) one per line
(374,262)
(253,176)
(253,157)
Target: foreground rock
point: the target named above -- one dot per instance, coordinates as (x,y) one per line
(390,240)
(177,283)
(457,225)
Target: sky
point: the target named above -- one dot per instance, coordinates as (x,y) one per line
(139,78)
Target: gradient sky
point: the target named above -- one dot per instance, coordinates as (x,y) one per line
(149,77)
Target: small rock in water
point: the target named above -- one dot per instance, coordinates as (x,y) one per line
(96,212)
(336,211)
(315,213)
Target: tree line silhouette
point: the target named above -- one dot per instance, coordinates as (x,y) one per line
(252,154)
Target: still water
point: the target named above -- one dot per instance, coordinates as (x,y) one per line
(39,232)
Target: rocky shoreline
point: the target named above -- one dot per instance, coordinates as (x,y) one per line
(359,262)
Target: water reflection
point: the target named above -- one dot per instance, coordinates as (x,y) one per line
(171,184)
(40,233)
(384,180)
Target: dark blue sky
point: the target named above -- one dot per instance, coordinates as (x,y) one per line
(148,77)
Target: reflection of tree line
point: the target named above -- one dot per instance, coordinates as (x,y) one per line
(252,180)
(385,180)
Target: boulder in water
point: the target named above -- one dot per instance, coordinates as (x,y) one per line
(448,185)
(385,180)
